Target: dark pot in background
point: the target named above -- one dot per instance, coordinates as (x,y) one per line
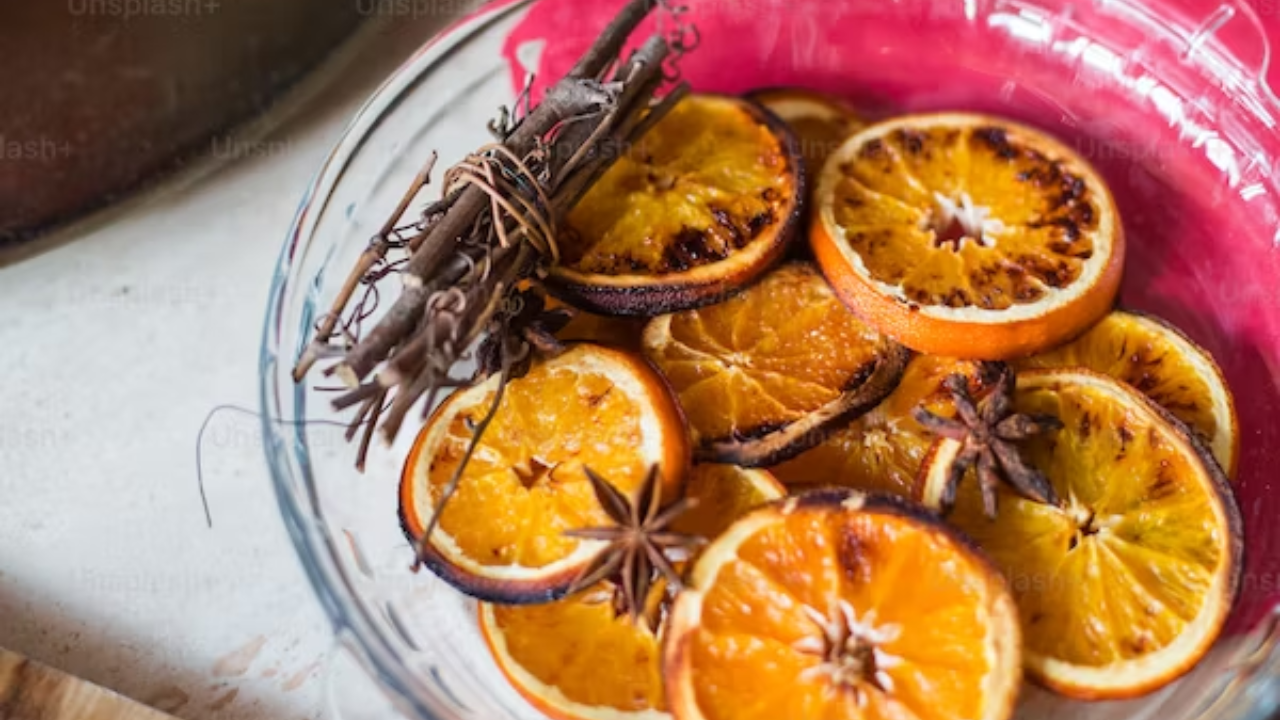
(99,98)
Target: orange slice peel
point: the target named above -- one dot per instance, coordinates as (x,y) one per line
(578,658)
(763,375)
(1164,364)
(968,236)
(704,203)
(500,537)
(803,608)
(1125,583)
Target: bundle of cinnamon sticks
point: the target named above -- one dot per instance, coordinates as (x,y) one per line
(494,225)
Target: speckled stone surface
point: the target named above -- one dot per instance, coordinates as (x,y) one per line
(117,340)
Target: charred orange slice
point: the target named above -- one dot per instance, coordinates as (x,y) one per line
(764,374)
(833,604)
(500,537)
(821,122)
(882,450)
(1164,364)
(1126,582)
(968,236)
(579,659)
(703,203)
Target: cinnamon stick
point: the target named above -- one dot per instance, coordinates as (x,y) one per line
(573,95)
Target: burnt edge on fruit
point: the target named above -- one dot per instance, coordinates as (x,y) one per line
(1217,474)
(878,502)
(768,446)
(674,652)
(1222,486)
(1236,547)
(763,96)
(676,294)
(889,504)
(1208,357)
(544,589)
(502,592)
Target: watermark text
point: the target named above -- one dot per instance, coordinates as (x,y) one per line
(14,149)
(130,9)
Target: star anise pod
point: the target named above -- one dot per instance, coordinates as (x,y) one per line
(529,325)
(638,542)
(989,432)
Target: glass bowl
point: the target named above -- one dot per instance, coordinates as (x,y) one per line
(1168,98)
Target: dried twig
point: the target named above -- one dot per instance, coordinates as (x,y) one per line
(370,424)
(577,94)
(371,256)
(495,225)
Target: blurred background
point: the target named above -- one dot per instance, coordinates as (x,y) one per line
(101,99)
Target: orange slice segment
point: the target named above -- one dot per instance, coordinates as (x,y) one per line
(1125,584)
(762,375)
(500,536)
(703,203)
(833,604)
(882,450)
(967,235)
(576,659)
(820,121)
(1160,361)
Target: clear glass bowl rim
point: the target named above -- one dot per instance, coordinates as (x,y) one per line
(285,447)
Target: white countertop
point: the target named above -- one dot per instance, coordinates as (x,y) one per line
(116,345)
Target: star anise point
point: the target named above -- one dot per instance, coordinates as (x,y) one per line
(987,431)
(638,542)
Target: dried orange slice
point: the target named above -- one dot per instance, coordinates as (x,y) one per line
(967,235)
(703,203)
(500,536)
(578,659)
(762,375)
(882,450)
(820,121)
(834,604)
(1126,582)
(1165,365)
